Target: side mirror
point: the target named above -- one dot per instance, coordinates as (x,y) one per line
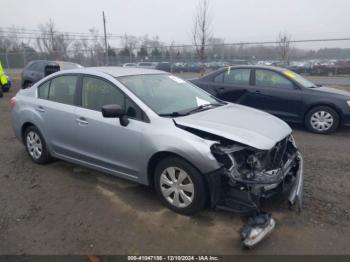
(115,111)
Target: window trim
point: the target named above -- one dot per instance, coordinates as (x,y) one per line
(144,116)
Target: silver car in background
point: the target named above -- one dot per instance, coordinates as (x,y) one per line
(156,129)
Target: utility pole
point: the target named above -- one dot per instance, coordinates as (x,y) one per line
(104,29)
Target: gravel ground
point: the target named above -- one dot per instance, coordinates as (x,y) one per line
(62,208)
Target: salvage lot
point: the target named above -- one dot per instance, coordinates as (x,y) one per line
(62,208)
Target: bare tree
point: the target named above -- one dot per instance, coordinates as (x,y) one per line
(52,41)
(201,31)
(129,44)
(284,47)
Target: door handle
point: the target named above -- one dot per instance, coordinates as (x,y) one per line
(40,109)
(82,121)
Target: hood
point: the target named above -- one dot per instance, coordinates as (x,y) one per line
(331,91)
(239,123)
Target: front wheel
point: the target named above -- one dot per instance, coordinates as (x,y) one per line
(180,186)
(322,120)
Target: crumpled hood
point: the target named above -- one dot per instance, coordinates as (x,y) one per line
(239,123)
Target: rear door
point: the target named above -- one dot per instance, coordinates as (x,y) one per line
(103,142)
(57,107)
(233,85)
(276,94)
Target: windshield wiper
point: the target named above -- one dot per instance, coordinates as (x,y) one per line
(192,110)
(174,114)
(203,107)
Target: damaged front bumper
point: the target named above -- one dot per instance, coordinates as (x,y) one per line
(230,193)
(296,193)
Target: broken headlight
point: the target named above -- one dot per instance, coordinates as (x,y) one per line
(292,140)
(250,165)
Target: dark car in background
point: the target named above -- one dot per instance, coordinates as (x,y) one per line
(36,70)
(280,92)
(164,66)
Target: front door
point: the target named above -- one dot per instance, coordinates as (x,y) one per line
(104,142)
(277,95)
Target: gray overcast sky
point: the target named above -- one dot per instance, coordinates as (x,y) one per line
(233,20)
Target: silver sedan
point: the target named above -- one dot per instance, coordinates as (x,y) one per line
(157,129)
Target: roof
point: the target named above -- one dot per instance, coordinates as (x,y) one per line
(276,68)
(119,71)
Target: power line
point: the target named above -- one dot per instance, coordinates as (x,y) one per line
(36,32)
(66,37)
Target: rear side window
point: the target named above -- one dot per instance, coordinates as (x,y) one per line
(269,78)
(237,76)
(96,93)
(43,90)
(63,89)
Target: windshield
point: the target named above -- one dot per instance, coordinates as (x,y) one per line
(299,79)
(167,94)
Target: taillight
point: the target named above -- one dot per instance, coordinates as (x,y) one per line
(13,102)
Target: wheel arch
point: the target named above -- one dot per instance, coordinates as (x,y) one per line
(328,104)
(24,128)
(157,157)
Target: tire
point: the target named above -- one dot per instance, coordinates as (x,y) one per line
(322,120)
(36,146)
(169,171)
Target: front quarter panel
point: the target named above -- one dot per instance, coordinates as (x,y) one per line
(164,136)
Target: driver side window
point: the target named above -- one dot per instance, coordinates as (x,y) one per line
(268,78)
(97,93)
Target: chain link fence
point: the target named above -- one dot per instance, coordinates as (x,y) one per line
(185,55)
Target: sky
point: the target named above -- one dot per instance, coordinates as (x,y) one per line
(172,20)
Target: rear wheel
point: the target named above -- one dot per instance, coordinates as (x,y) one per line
(322,120)
(36,146)
(180,186)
